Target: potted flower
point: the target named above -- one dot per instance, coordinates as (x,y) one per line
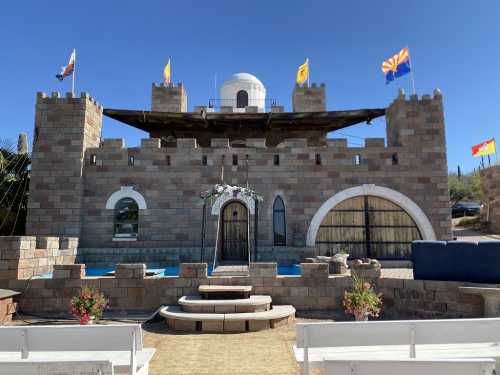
(362,301)
(88,305)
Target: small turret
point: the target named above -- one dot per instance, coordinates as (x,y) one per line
(309,98)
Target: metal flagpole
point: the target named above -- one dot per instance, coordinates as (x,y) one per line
(308,70)
(411,72)
(73,75)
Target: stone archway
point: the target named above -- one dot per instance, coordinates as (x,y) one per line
(126,192)
(416,213)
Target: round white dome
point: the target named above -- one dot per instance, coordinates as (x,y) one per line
(244,77)
(243,90)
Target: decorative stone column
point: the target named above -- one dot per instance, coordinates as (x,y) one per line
(491,297)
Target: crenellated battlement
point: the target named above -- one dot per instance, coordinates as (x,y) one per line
(414,98)
(69,98)
(148,144)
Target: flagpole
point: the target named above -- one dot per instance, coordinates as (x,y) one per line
(73,75)
(308,71)
(411,72)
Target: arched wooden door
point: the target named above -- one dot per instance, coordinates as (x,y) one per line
(234,232)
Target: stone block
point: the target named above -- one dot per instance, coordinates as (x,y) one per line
(314,270)
(258,325)
(68,271)
(193,270)
(235,326)
(182,325)
(263,269)
(130,271)
(212,326)
(186,143)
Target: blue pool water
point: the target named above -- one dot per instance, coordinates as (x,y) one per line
(293,269)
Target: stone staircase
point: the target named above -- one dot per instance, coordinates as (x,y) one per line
(228,309)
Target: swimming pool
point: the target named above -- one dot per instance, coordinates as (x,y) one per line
(290,270)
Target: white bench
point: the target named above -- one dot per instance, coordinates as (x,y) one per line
(29,367)
(397,340)
(121,344)
(411,367)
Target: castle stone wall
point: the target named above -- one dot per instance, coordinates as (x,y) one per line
(69,194)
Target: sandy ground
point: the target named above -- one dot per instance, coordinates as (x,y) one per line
(252,353)
(265,352)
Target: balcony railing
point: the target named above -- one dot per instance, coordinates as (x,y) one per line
(216,104)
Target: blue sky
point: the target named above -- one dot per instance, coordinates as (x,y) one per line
(122,46)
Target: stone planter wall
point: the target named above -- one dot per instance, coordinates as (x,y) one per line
(313,290)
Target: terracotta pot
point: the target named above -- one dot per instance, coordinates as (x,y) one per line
(361,316)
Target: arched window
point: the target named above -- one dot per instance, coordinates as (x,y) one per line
(126,218)
(279,223)
(241,99)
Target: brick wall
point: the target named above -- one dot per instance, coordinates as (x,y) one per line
(313,290)
(490,180)
(22,257)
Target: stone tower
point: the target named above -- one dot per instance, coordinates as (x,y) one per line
(64,129)
(168,98)
(416,131)
(309,98)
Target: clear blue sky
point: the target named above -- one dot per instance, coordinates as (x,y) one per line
(122,46)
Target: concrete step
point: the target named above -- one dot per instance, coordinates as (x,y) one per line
(225,291)
(180,320)
(196,304)
(231,270)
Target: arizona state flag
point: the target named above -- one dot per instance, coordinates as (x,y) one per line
(303,72)
(397,66)
(485,148)
(68,69)
(167,73)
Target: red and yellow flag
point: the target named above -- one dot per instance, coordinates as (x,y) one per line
(485,148)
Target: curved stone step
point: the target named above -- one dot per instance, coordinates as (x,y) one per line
(181,320)
(225,291)
(196,304)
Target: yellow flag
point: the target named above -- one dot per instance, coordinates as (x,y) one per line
(303,72)
(166,73)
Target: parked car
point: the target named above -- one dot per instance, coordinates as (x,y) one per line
(465,209)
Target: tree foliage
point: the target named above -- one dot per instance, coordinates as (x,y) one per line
(14,184)
(465,188)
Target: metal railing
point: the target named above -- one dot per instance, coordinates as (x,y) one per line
(218,103)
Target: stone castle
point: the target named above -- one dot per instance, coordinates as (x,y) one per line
(319,195)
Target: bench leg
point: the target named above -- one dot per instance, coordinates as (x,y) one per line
(144,370)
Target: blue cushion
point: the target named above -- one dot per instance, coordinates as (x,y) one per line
(425,255)
(457,261)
